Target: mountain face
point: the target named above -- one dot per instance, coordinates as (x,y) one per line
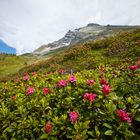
(4,48)
(90,32)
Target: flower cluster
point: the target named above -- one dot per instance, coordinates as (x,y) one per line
(90,82)
(72,79)
(133,68)
(89,97)
(62,83)
(46,90)
(61,71)
(26,77)
(30,90)
(73,116)
(17,80)
(123,115)
(48,128)
(106,89)
(103,81)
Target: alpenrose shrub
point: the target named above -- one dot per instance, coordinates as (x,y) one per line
(90,104)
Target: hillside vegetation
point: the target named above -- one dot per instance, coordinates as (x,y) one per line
(89,91)
(121,48)
(10,64)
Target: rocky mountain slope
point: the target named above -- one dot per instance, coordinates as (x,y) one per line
(90,32)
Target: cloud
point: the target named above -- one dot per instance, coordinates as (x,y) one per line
(28,24)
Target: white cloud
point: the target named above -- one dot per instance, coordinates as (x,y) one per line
(28,24)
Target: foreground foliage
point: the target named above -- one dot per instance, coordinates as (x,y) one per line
(91,104)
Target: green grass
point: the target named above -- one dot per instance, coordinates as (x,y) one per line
(10,64)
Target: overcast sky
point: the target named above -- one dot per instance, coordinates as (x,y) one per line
(28,24)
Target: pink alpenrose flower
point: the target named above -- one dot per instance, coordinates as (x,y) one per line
(133,68)
(90,82)
(48,128)
(62,83)
(73,116)
(61,71)
(90,97)
(26,77)
(72,79)
(106,89)
(123,115)
(103,81)
(30,90)
(17,80)
(46,90)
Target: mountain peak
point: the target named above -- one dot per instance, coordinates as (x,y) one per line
(91,31)
(93,24)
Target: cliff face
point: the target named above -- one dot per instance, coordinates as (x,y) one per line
(90,32)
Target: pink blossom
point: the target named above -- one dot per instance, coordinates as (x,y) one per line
(133,67)
(72,79)
(17,80)
(30,90)
(62,83)
(103,81)
(123,115)
(26,77)
(61,71)
(48,128)
(106,89)
(90,97)
(46,90)
(90,82)
(50,72)
(33,73)
(73,116)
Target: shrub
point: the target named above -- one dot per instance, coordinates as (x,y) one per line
(78,106)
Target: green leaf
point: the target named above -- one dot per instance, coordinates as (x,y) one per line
(90,133)
(107,125)
(109,132)
(97,131)
(53,138)
(76,126)
(44,136)
(86,123)
(137,119)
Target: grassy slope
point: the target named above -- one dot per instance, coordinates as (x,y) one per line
(10,64)
(114,50)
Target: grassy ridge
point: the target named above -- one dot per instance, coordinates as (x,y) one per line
(10,64)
